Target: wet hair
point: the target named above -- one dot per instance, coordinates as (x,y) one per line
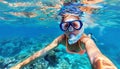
(71,8)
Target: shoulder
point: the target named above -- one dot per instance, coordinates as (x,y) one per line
(60,38)
(85,38)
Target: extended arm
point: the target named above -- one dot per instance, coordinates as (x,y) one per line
(98,60)
(39,53)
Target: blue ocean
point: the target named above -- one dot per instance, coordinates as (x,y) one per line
(27,26)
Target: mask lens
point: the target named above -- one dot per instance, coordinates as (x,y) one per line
(65,26)
(76,24)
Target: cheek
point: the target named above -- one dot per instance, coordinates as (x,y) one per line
(76,32)
(67,33)
(73,32)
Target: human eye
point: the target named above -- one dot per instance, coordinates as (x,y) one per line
(76,24)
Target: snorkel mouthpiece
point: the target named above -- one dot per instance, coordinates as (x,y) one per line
(74,38)
(71,39)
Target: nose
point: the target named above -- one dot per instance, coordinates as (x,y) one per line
(71,29)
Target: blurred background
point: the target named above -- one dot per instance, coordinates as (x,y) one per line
(27,26)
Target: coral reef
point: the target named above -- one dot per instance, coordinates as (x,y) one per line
(17,49)
(59,59)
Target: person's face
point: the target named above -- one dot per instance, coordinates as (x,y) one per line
(71,30)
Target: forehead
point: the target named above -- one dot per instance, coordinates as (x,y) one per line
(70,18)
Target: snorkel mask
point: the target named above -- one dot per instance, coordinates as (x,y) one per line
(72,9)
(76,25)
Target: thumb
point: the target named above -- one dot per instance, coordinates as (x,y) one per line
(89,35)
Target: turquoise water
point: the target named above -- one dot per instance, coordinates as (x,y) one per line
(25,29)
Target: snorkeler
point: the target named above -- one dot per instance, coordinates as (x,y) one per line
(74,39)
